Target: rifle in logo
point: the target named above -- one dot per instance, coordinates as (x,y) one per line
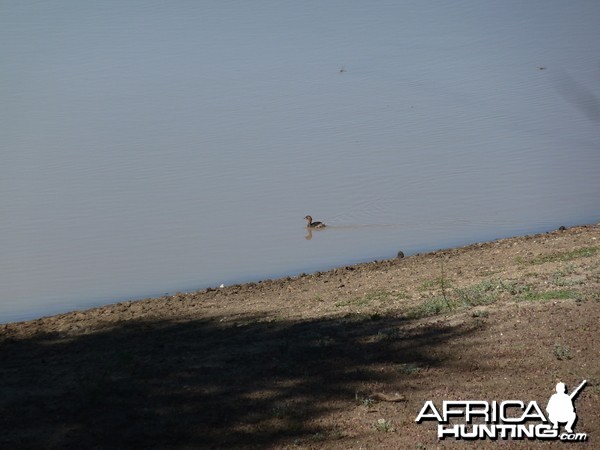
(576,391)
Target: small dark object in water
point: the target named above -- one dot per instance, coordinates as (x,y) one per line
(562,228)
(400,254)
(312,224)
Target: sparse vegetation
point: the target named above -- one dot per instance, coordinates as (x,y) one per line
(429,307)
(564,277)
(390,334)
(532,295)
(584,252)
(435,283)
(482,293)
(384,425)
(370,298)
(409,369)
(359,302)
(365,401)
(478,322)
(489,291)
(368,402)
(562,352)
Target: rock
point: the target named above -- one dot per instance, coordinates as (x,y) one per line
(388,398)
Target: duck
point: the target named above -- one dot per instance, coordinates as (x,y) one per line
(312,224)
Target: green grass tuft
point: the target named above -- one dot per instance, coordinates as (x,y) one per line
(530,295)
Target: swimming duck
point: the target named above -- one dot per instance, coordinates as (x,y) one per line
(312,224)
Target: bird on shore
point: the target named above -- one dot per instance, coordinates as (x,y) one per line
(312,224)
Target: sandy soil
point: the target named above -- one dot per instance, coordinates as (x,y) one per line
(340,359)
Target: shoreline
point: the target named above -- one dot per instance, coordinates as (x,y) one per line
(274,279)
(278,281)
(338,359)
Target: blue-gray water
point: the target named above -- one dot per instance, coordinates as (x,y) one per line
(150,147)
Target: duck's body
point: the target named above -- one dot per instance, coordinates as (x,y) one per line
(312,224)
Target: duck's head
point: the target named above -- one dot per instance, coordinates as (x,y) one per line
(309,218)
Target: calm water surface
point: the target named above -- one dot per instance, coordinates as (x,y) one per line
(151,147)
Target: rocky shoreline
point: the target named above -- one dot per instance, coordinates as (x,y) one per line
(336,359)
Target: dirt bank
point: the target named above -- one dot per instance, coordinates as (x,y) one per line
(339,359)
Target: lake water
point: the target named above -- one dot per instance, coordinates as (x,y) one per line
(153,147)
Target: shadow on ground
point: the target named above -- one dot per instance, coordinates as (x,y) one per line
(199,383)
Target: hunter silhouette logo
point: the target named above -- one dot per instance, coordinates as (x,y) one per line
(509,419)
(560,407)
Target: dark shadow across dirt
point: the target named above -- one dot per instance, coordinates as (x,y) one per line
(199,383)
